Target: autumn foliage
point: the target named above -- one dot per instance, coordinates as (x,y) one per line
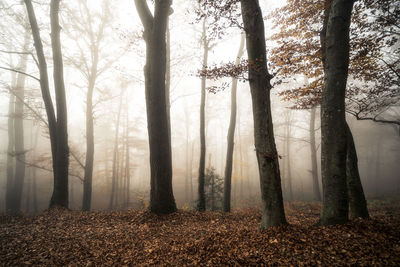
(374,54)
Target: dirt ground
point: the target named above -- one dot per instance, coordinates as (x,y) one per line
(137,238)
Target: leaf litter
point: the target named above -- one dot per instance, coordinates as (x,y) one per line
(61,237)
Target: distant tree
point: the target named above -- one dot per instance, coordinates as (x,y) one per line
(91,62)
(161,194)
(57,125)
(214,189)
(231,133)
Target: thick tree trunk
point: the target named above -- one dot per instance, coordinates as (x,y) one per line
(231,134)
(357,202)
(335,44)
(267,156)
(313,149)
(19,129)
(60,191)
(201,206)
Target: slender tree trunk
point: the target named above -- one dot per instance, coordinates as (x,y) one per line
(188,168)
(115,156)
(202,198)
(313,149)
(231,134)
(127,158)
(267,157)
(288,167)
(161,193)
(335,48)
(11,146)
(357,202)
(19,130)
(88,176)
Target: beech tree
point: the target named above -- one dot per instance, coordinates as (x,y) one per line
(161,193)
(57,125)
(260,85)
(231,133)
(335,45)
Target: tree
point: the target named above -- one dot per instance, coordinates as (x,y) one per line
(161,194)
(57,126)
(298,52)
(335,54)
(95,63)
(231,134)
(260,86)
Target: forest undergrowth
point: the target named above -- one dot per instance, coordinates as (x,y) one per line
(60,237)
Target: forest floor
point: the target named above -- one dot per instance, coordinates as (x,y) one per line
(62,237)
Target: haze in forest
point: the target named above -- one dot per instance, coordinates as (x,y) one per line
(119,111)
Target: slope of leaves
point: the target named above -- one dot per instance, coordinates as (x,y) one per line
(62,237)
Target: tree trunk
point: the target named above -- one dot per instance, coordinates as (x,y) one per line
(161,193)
(313,149)
(19,130)
(202,198)
(88,176)
(10,149)
(288,167)
(60,191)
(115,156)
(267,156)
(357,202)
(335,48)
(231,134)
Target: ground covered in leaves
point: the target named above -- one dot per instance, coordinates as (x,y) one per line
(62,238)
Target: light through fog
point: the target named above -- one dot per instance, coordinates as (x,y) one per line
(122,54)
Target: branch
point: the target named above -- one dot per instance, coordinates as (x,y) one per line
(22,53)
(144,13)
(21,72)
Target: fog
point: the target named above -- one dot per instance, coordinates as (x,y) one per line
(119,95)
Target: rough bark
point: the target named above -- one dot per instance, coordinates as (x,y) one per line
(260,86)
(357,202)
(313,149)
(60,191)
(335,44)
(231,134)
(201,205)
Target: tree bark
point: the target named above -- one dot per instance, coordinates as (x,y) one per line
(161,193)
(260,86)
(335,45)
(357,202)
(201,206)
(44,80)
(313,149)
(60,192)
(231,134)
